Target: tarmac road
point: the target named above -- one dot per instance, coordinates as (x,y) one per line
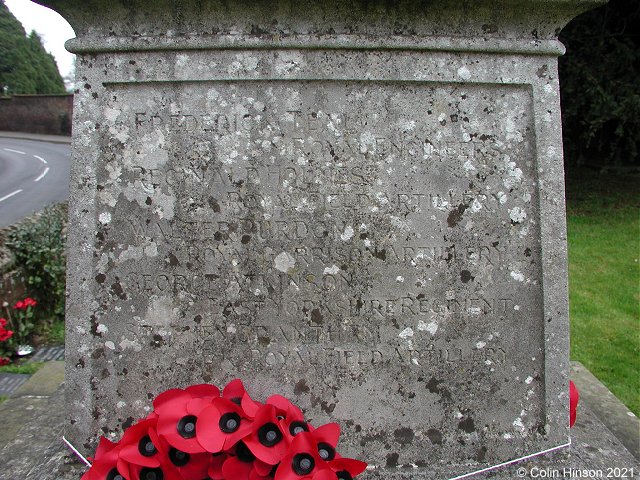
(33,174)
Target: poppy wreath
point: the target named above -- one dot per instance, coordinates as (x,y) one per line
(201,433)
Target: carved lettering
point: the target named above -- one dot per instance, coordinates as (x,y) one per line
(299,230)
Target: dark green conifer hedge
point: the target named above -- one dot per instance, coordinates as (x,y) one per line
(25,66)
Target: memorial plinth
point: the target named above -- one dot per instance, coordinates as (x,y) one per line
(359,205)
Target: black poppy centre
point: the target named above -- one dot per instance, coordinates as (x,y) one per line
(146,447)
(298,427)
(179,458)
(303,464)
(326,451)
(244,454)
(151,474)
(114,475)
(344,475)
(187,426)
(269,434)
(229,422)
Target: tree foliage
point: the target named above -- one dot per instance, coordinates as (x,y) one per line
(600,85)
(25,66)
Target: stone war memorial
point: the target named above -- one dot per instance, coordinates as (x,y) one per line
(358,205)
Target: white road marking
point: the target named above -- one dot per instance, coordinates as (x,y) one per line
(41,159)
(10,195)
(46,170)
(14,151)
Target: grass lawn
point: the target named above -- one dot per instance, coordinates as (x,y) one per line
(603,215)
(24,367)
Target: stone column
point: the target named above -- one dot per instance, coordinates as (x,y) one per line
(356,204)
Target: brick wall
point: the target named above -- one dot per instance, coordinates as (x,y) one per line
(46,114)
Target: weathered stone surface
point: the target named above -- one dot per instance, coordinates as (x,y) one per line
(37,451)
(612,412)
(357,206)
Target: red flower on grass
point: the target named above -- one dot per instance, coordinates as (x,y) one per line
(574,397)
(179,415)
(4,361)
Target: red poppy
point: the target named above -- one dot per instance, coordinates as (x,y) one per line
(178,415)
(215,465)
(284,406)
(140,445)
(105,463)
(347,468)
(4,361)
(303,461)
(292,421)
(29,302)
(195,433)
(223,424)
(267,441)
(188,465)
(5,334)
(151,459)
(245,466)
(3,322)
(574,397)
(235,391)
(152,415)
(163,472)
(325,474)
(326,437)
(24,304)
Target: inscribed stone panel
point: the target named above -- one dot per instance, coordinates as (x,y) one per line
(375,244)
